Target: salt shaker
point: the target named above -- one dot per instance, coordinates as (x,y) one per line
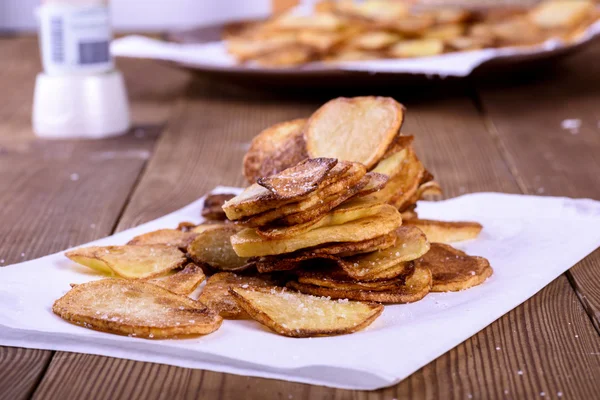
(80,94)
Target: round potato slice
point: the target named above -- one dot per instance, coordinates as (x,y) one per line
(446,231)
(213,247)
(453,270)
(275,149)
(135,308)
(417,286)
(299,315)
(358,129)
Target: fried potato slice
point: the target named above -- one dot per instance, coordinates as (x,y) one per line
(393,164)
(217,297)
(182,282)
(171,237)
(411,244)
(376,182)
(517,31)
(417,286)
(247,48)
(135,308)
(446,232)
(275,149)
(417,48)
(208,225)
(333,252)
(130,261)
(374,40)
(561,13)
(445,32)
(373,10)
(399,143)
(255,199)
(450,15)
(286,57)
(332,283)
(316,22)
(299,180)
(358,129)
(213,206)
(299,315)
(248,243)
(409,214)
(429,191)
(213,247)
(351,210)
(454,270)
(317,203)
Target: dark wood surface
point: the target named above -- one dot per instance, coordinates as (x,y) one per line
(190,134)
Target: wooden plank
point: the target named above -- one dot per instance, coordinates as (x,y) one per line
(527,121)
(204,149)
(57,194)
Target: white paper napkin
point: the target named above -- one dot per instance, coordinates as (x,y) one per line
(529,241)
(214,55)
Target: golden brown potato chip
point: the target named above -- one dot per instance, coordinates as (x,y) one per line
(454,270)
(414,26)
(417,286)
(245,49)
(463,43)
(135,308)
(373,10)
(409,214)
(561,13)
(213,247)
(399,143)
(321,42)
(130,261)
(248,243)
(317,203)
(213,206)
(316,22)
(429,191)
(450,15)
(300,179)
(185,226)
(286,57)
(376,182)
(350,210)
(208,225)
(217,297)
(171,237)
(446,232)
(411,244)
(352,55)
(351,285)
(358,129)
(517,31)
(183,282)
(299,315)
(417,48)
(333,252)
(445,32)
(256,200)
(275,149)
(374,40)
(393,165)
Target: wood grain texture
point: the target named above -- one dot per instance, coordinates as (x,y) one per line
(56,194)
(202,147)
(527,122)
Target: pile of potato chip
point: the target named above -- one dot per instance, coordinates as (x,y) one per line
(326,233)
(347,30)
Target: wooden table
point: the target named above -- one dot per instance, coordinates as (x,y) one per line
(190,135)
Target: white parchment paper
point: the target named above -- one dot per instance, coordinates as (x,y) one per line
(529,241)
(214,55)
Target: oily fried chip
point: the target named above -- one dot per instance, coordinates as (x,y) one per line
(561,13)
(350,210)
(321,42)
(393,165)
(346,54)
(248,243)
(399,143)
(183,282)
(410,244)
(130,261)
(135,308)
(213,247)
(255,199)
(445,32)
(416,286)
(275,149)
(372,10)
(429,191)
(446,232)
(217,297)
(417,48)
(316,204)
(358,129)
(376,182)
(333,283)
(454,270)
(450,15)
(401,187)
(208,225)
(213,206)
(171,237)
(464,43)
(185,226)
(334,251)
(517,31)
(247,48)
(299,315)
(300,179)
(414,26)
(374,40)
(316,22)
(286,56)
